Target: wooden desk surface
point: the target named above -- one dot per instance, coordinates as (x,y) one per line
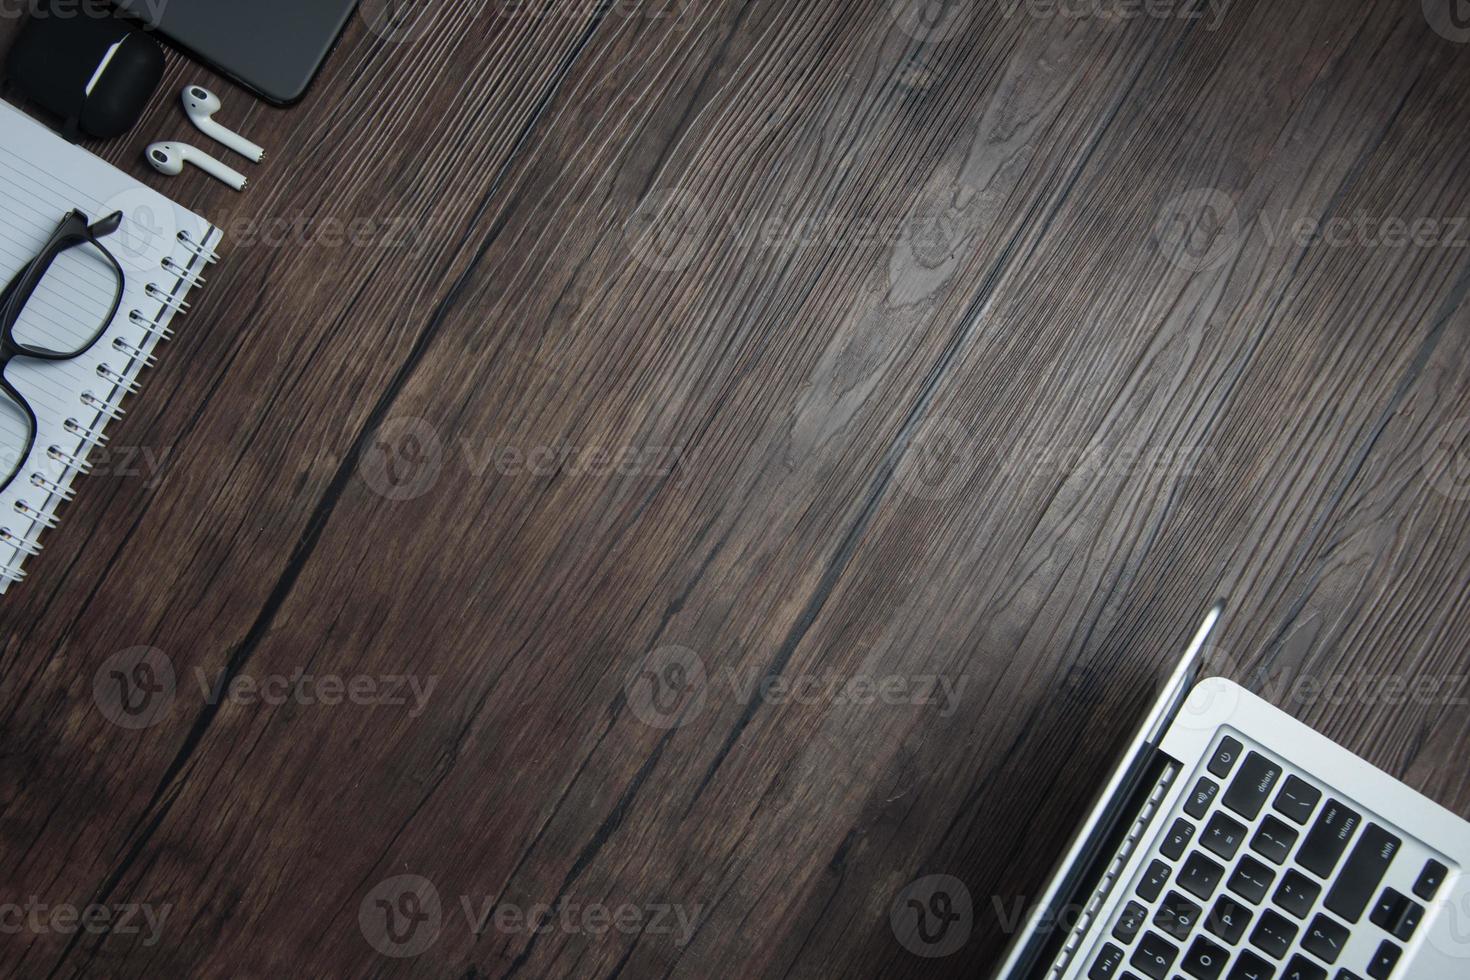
(703,466)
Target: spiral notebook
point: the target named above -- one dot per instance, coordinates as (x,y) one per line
(162,249)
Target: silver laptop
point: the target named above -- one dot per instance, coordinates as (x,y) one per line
(1235,843)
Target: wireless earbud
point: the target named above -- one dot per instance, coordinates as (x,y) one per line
(200,105)
(169,158)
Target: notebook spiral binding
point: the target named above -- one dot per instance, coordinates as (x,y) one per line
(39,519)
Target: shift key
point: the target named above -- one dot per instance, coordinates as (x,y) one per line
(1360,877)
(1328,838)
(1252,785)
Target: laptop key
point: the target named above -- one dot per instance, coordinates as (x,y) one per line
(1251,880)
(1301,968)
(1346,974)
(1153,881)
(1360,877)
(1325,939)
(1229,919)
(1130,921)
(1384,960)
(1274,840)
(1397,914)
(1274,934)
(1297,893)
(1107,965)
(1297,799)
(1226,753)
(1154,956)
(1177,839)
(1201,797)
(1328,838)
(1205,959)
(1177,915)
(1199,876)
(1223,835)
(1252,785)
(1249,966)
(1430,879)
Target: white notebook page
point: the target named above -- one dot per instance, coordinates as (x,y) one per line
(42,177)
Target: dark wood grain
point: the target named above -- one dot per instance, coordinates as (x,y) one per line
(905,374)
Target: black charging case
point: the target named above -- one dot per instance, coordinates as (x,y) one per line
(86,66)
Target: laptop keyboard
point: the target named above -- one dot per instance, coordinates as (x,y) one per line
(1262,874)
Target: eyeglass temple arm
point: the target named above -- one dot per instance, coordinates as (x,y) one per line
(103,227)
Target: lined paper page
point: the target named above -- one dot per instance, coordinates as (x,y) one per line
(42,178)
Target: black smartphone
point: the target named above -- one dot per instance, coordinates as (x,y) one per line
(274,48)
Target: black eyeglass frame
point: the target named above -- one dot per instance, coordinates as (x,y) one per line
(73,231)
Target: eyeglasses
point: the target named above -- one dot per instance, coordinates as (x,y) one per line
(55,309)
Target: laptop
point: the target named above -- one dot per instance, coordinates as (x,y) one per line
(1232,842)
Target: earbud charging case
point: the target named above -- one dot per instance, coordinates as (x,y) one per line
(95,72)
